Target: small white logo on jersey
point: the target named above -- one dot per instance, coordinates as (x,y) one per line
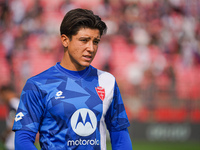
(84,122)
(59,95)
(19,116)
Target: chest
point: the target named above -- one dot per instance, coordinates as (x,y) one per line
(68,97)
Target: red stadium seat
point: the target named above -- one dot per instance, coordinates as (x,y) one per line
(195,116)
(170,114)
(3,112)
(144,115)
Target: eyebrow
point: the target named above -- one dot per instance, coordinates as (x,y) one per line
(98,38)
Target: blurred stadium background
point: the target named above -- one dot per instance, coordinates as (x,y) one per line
(152,47)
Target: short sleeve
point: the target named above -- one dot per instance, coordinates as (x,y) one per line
(30,108)
(116,118)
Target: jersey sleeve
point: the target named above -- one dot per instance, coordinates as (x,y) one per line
(116,118)
(25,140)
(30,108)
(121,140)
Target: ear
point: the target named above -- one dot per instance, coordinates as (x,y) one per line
(64,40)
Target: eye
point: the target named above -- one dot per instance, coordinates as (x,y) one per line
(96,42)
(84,40)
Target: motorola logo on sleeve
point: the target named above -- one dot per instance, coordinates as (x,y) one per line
(84,122)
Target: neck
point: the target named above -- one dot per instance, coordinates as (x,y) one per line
(67,64)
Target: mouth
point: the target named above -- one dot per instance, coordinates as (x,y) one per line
(87,57)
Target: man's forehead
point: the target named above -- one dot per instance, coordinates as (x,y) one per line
(88,32)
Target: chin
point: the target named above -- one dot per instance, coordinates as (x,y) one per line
(86,64)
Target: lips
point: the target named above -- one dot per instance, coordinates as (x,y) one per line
(87,57)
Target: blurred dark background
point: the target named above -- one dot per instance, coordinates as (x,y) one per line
(152,48)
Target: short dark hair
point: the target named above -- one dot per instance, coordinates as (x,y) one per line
(81,18)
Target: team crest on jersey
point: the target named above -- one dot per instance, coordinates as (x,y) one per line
(100,92)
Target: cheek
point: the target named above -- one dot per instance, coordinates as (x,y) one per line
(75,53)
(74,50)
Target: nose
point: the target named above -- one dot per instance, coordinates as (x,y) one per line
(90,46)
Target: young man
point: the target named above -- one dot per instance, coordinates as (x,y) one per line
(72,103)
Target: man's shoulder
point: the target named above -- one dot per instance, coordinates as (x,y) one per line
(44,76)
(105,76)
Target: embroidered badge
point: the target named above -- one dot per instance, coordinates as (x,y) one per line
(100,92)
